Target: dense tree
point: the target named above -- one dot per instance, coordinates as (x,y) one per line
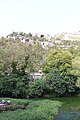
(36,57)
(17,51)
(58,68)
(58,59)
(15,59)
(76,69)
(14,84)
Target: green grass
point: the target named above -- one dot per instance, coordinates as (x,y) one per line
(44,109)
(69,103)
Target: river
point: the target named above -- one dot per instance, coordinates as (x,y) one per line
(68,115)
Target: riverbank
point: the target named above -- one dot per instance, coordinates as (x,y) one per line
(60,108)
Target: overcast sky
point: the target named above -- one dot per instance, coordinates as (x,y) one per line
(39,16)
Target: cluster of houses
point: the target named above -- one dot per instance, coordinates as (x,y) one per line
(24,38)
(45,40)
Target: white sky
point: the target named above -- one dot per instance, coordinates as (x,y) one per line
(39,16)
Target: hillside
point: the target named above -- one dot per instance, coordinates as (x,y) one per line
(64,40)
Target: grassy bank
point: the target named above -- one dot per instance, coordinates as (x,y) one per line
(44,109)
(40,109)
(70,109)
(69,103)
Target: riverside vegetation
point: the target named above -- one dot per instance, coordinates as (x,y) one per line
(59,108)
(35,110)
(61,68)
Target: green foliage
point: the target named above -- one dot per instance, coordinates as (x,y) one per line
(36,110)
(14,85)
(36,88)
(18,52)
(15,59)
(36,57)
(76,69)
(59,85)
(61,69)
(58,59)
(59,79)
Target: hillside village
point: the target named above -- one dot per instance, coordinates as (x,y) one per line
(63,40)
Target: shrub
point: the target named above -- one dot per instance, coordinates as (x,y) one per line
(14,85)
(36,88)
(59,84)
